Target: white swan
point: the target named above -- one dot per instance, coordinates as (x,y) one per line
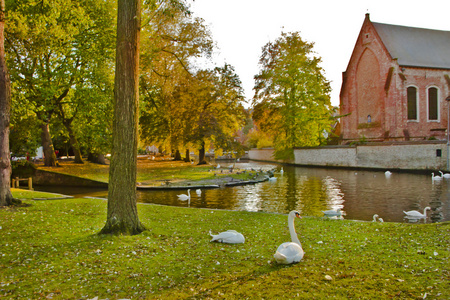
(290,252)
(437,177)
(281,171)
(184,197)
(332,213)
(388,173)
(199,192)
(229,237)
(446,175)
(272,179)
(377,218)
(414,214)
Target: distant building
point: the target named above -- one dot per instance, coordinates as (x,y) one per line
(396,84)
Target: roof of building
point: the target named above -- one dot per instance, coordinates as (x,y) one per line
(416,47)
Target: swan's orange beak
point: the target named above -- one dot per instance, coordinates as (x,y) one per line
(298,215)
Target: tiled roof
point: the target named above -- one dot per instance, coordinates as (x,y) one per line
(416,47)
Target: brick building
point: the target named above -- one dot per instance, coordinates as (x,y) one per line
(396,84)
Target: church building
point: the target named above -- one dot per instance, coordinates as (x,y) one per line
(397,85)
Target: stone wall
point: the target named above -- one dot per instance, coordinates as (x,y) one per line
(413,156)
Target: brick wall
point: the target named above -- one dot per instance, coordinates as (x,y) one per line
(375,85)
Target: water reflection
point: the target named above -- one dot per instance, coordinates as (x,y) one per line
(359,194)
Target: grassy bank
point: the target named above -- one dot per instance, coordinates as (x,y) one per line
(150,172)
(51,250)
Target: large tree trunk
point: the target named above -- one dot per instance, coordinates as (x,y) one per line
(201,155)
(47,145)
(188,157)
(6,197)
(122,217)
(177,156)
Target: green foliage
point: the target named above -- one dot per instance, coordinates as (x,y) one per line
(292,101)
(51,250)
(60,58)
(259,139)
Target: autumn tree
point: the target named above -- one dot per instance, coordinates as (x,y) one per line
(215,111)
(171,39)
(291,102)
(122,217)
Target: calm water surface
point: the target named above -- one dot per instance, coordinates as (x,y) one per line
(359,194)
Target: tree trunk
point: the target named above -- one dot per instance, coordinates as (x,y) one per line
(6,197)
(177,155)
(47,145)
(97,158)
(188,157)
(74,143)
(122,217)
(201,155)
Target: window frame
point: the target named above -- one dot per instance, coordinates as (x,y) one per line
(438,111)
(417,104)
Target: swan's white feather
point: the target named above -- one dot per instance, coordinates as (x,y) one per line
(288,253)
(229,237)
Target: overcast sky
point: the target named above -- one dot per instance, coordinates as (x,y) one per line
(242,27)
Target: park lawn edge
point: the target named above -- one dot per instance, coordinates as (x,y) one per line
(51,249)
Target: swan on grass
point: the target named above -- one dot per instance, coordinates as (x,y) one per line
(290,252)
(332,213)
(229,237)
(377,218)
(414,214)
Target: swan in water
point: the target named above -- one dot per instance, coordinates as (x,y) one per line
(184,197)
(198,191)
(388,173)
(377,218)
(229,237)
(437,177)
(414,214)
(272,179)
(446,175)
(290,252)
(332,213)
(281,171)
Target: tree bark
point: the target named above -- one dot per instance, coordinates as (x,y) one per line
(122,217)
(47,145)
(177,155)
(6,197)
(201,155)
(74,143)
(188,157)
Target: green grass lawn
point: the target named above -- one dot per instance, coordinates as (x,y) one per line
(50,249)
(149,172)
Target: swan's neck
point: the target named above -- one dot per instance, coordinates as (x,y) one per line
(294,237)
(189,193)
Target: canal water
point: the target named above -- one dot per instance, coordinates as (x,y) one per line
(359,194)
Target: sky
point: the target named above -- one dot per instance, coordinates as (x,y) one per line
(241,28)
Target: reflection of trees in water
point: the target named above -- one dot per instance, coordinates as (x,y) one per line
(313,196)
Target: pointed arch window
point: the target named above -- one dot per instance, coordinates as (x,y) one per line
(433,104)
(412,103)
